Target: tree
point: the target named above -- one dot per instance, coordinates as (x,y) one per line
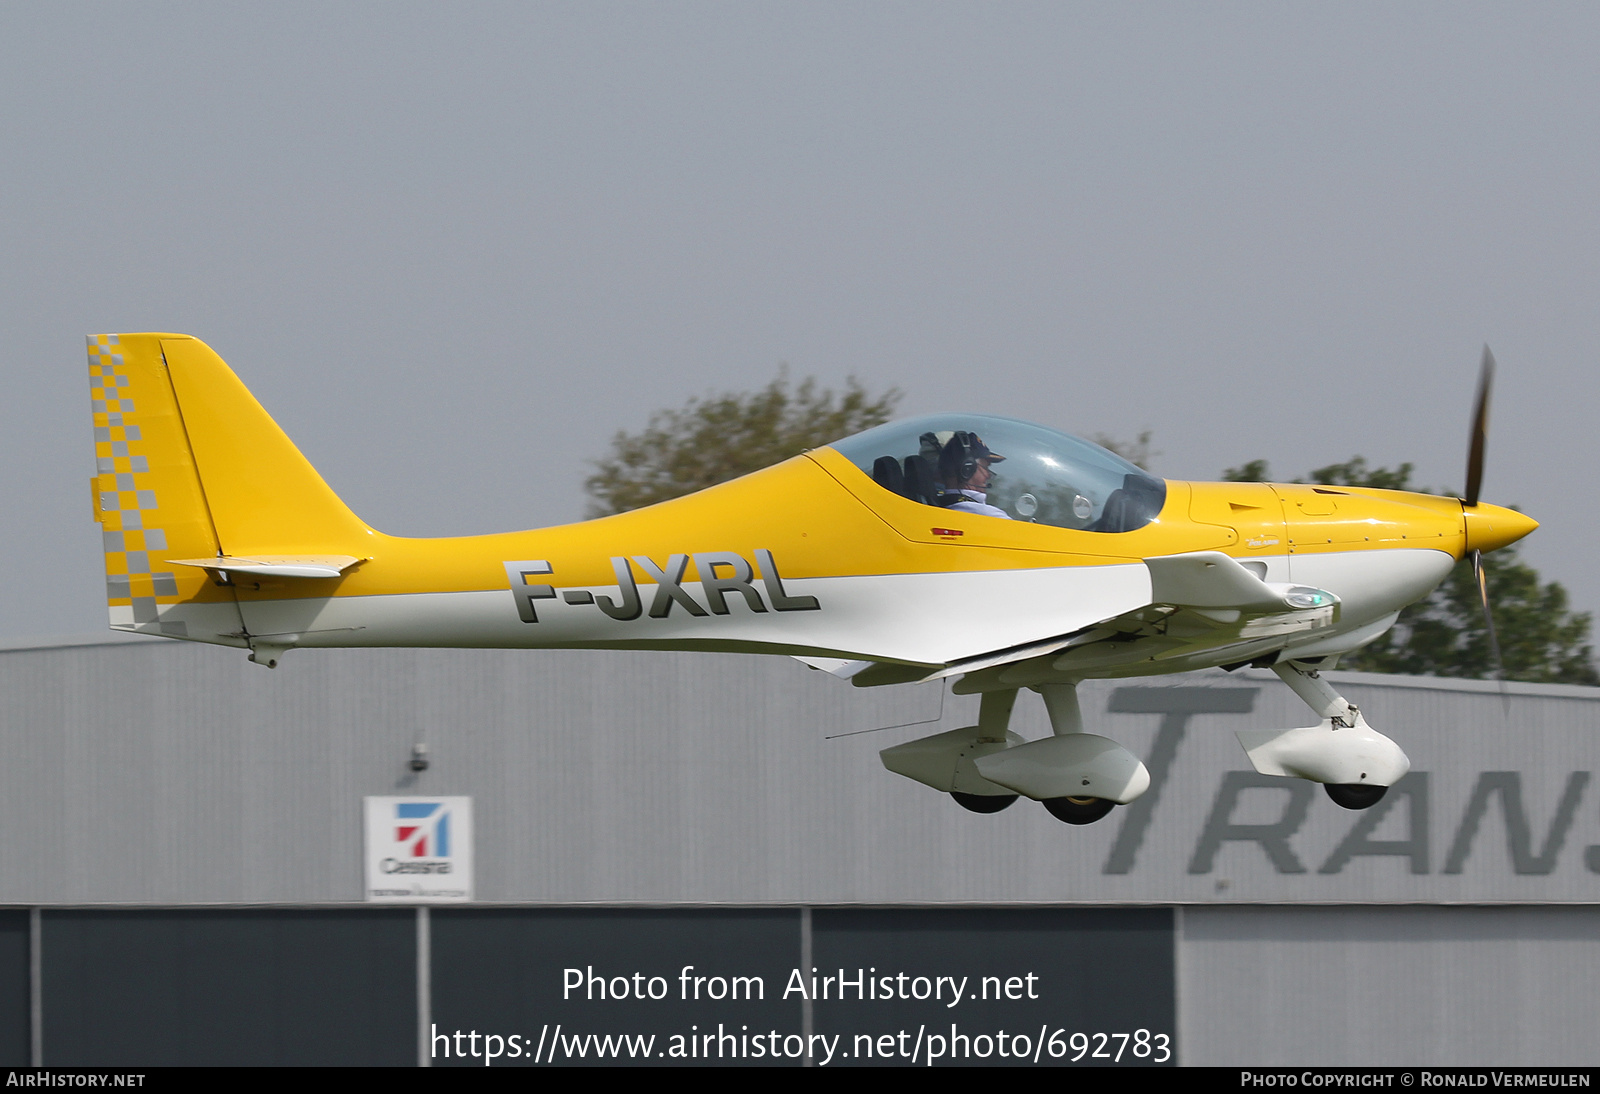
(1137,451)
(720,437)
(1353,472)
(1541,639)
(1254,471)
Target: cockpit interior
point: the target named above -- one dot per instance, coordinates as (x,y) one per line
(1007,469)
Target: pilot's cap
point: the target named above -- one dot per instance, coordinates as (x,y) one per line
(977,450)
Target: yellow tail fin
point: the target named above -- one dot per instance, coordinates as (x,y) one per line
(189,466)
(264,496)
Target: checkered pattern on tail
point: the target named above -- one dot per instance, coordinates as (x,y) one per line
(134,483)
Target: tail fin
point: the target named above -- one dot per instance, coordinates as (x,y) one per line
(190,466)
(264,496)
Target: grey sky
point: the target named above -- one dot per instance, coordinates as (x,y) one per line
(454,248)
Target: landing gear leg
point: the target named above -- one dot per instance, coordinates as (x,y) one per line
(1318,694)
(946,761)
(1078,776)
(994,716)
(1066,716)
(1355,763)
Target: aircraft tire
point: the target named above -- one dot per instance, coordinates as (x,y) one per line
(1355,795)
(1078,810)
(983,803)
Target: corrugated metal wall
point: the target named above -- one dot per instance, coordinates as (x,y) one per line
(1375,987)
(173,774)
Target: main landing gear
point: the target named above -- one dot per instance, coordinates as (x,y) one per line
(1079,777)
(983,803)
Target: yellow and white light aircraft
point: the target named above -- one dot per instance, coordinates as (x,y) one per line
(1005,554)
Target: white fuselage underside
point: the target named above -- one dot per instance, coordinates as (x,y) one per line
(930,619)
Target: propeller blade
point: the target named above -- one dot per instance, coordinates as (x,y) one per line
(1480,430)
(1482,577)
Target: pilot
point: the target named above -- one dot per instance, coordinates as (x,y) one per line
(964,467)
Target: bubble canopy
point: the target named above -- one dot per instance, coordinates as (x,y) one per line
(1034,474)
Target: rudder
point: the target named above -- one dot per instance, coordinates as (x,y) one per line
(148,500)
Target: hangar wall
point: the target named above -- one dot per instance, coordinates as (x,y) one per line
(163,773)
(1390,986)
(146,782)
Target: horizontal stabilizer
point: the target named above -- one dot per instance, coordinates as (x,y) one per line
(275,565)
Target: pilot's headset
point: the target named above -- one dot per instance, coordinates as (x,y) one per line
(959,459)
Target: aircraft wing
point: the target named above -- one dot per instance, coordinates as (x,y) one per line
(841,667)
(1210,579)
(1202,599)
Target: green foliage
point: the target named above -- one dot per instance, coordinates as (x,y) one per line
(1353,472)
(1137,451)
(721,437)
(1541,639)
(1254,471)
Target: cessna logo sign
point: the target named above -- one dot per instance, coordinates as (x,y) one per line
(419,849)
(726,579)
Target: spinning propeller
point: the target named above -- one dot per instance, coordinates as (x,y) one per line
(1469,503)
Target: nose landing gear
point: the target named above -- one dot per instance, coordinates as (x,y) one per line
(1355,795)
(1354,763)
